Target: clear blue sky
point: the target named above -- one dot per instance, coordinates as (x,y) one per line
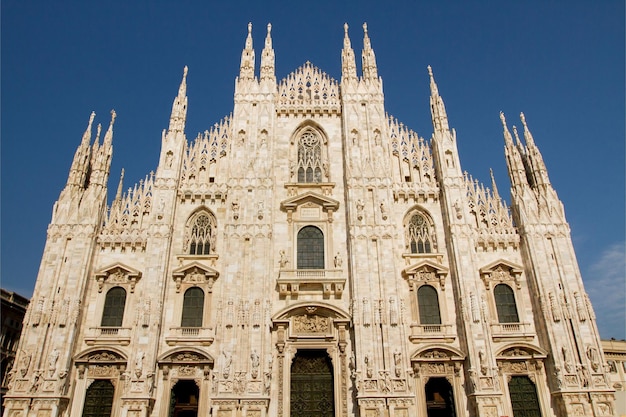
(560,62)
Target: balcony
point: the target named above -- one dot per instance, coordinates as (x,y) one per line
(108,336)
(432,332)
(517,331)
(324,281)
(181,336)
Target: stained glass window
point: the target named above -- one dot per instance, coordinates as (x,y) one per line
(419,234)
(202,235)
(310,157)
(428,302)
(505,304)
(310,248)
(113,313)
(193,308)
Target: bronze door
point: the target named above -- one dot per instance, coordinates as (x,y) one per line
(312,387)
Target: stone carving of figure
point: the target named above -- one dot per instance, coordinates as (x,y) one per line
(568,364)
(139,363)
(359,208)
(338,260)
(227,360)
(483,365)
(397,360)
(168,160)
(282,262)
(594,358)
(235,207)
(254,362)
(368,366)
(52,361)
(24,363)
(383,210)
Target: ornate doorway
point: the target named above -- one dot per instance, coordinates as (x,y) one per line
(99,399)
(312,385)
(184,399)
(439,398)
(524,398)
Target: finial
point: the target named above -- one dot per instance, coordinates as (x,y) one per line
(430,71)
(503,119)
(345,28)
(113,115)
(91,117)
(517,139)
(365,28)
(185,71)
(249,27)
(269,28)
(98,130)
(523,119)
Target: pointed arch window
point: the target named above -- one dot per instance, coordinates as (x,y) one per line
(114,303)
(201,234)
(428,302)
(310,248)
(505,304)
(193,308)
(419,234)
(99,399)
(310,166)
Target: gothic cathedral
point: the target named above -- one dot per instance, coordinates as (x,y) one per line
(309,255)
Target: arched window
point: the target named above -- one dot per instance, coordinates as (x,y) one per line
(428,302)
(524,400)
(419,234)
(193,308)
(201,234)
(113,313)
(310,248)
(505,304)
(310,157)
(99,399)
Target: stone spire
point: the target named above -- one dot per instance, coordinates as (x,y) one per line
(514,161)
(246,70)
(535,160)
(179,107)
(437,108)
(268,70)
(348,61)
(101,156)
(370,71)
(80,165)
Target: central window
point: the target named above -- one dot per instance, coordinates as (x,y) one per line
(310,248)
(310,157)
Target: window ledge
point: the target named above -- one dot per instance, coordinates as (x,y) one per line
(507,331)
(326,281)
(414,257)
(432,332)
(181,336)
(108,336)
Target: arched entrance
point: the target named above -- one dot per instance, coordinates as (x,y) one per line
(439,398)
(99,399)
(184,399)
(524,400)
(312,385)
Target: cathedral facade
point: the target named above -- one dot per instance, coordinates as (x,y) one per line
(309,255)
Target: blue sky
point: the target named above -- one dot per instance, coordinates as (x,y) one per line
(559,62)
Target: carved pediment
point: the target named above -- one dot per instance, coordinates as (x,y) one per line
(309,199)
(501,271)
(187,356)
(426,271)
(438,353)
(100,356)
(118,273)
(195,273)
(524,351)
